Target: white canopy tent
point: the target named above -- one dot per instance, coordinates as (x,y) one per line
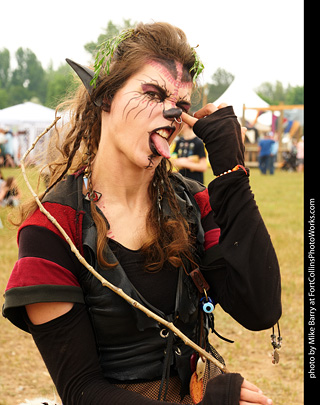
(26,113)
(28,117)
(239,93)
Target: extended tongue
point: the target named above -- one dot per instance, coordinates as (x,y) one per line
(161,145)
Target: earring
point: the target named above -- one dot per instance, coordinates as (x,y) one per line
(91,195)
(86,178)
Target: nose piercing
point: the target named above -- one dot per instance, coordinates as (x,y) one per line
(178,122)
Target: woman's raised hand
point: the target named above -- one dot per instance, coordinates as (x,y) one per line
(203,112)
(222,135)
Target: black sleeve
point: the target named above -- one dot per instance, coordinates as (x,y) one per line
(223,390)
(221,134)
(246,282)
(67,346)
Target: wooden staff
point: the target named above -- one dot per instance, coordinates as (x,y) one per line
(104,282)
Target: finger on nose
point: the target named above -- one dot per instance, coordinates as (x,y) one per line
(188,119)
(206,110)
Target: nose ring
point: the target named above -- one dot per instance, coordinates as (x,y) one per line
(178,122)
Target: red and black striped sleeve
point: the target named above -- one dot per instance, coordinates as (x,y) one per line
(46,271)
(211,229)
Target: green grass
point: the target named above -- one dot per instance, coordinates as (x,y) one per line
(280,199)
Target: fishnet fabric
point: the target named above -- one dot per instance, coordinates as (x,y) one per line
(151,389)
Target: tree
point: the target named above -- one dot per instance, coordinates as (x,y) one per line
(17,94)
(29,75)
(4,68)
(295,95)
(220,81)
(110,31)
(3,98)
(60,82)
(275,93)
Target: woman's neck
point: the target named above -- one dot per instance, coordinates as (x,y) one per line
(125,200)
(120,182)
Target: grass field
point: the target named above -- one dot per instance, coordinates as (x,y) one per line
(280,199)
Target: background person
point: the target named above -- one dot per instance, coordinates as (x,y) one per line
(265,152)
(300,154)
(9,193)
(2,180)
(273,154)
(9,149)
(189,155)
(3,141)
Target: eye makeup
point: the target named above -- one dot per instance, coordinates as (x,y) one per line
(163,87)
(159,94)
(154,91)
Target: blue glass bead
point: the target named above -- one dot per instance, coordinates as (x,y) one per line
(207,305)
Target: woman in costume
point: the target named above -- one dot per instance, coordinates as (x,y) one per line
(168,242)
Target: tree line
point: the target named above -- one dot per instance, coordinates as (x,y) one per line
(29,81)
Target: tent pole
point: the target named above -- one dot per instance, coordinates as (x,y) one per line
(243,115)
(280,131)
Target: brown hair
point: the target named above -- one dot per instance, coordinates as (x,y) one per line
(158,41)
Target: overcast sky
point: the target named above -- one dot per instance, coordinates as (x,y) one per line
(257,41)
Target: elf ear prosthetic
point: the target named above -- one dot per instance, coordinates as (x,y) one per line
(86,75)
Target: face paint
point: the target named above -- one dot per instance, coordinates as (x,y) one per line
(151,161)
(155,92)
(174,73)
(137,124)
(149,98)
(167,91)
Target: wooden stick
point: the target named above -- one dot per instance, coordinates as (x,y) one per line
(104,282)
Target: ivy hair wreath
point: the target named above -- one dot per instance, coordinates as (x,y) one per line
(108,48)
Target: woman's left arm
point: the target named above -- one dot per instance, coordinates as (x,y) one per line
(246,282)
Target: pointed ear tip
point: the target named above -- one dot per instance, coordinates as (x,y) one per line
(85,74)
(71,62)
(77,66)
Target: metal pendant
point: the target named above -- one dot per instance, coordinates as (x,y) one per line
(275,356)
(276,343)
(201,368)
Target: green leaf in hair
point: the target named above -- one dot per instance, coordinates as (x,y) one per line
(106,52)
(197,66)
(108,48)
